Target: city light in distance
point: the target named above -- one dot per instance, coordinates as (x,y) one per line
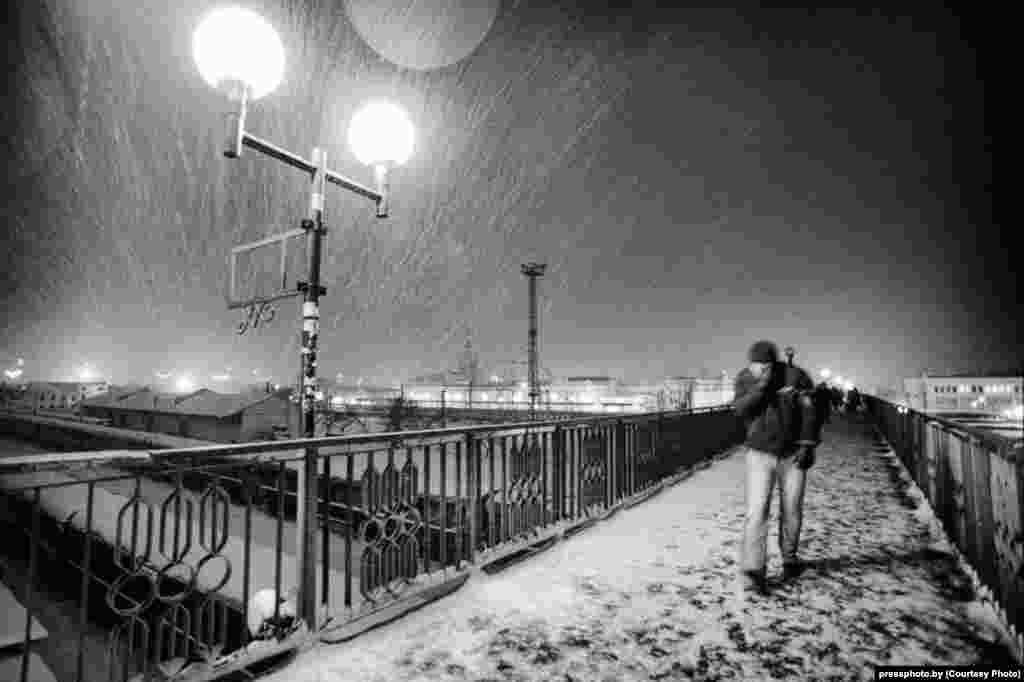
(826,373)
(184,384)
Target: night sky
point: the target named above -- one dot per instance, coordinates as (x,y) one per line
(695,180)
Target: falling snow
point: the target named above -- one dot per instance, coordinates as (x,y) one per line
(649,159)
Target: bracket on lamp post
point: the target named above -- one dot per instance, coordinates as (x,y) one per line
(236,137)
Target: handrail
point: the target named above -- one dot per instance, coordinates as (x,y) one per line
(395,512)
(1004,446)
(974,483)
(404,438)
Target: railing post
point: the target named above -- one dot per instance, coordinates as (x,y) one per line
(472,471)
(305,527)
(33,570)
(620,457)
(656,445)
(609,465)
(558,473)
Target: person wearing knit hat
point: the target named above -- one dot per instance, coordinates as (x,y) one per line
(764,352)
(775,400)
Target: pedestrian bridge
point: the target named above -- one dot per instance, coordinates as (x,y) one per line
(573,550)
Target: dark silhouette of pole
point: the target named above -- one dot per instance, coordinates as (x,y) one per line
(789,355)
(312,290)
(533,271)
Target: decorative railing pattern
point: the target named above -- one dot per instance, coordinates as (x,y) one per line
(974,481)
(185,558)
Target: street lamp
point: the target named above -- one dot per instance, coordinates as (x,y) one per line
(240,54)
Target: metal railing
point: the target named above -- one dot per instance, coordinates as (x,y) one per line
(168,563)
(974,481)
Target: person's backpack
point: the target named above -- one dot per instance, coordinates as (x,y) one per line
(793,414)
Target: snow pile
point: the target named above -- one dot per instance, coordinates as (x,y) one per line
(650,594)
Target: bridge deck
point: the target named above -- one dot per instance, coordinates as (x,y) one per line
(650,593)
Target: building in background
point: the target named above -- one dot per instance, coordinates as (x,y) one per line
(981,394)
(713,391)
(363,395)
(685,392)
(202,414)
(57,395)
(585,393)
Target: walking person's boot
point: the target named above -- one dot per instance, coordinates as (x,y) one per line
(754,582)
(791,570)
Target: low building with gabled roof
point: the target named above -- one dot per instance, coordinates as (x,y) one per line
(60,395)
(203,414)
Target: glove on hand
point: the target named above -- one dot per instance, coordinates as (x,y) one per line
(804,457)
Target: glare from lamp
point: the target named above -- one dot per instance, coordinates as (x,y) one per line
(232,43)
(184,384)
(381,133)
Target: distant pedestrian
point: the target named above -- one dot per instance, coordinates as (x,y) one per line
(776,402)
(823,402)
(853,400)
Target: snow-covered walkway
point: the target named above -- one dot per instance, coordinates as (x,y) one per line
(650,594)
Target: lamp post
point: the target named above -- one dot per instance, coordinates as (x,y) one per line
(533,271)
(240,54)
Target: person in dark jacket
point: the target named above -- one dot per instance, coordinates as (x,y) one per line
(853,400)
(823,402)
(776,403)
(837,398)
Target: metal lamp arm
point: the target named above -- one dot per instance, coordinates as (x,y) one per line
(237,137)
